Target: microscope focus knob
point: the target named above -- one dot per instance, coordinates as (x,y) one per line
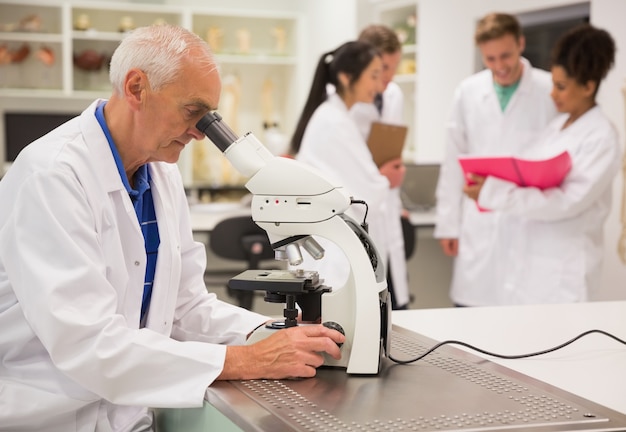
(335,326)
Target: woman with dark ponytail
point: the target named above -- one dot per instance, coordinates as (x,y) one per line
(554,253)
(328,139)
(350,59)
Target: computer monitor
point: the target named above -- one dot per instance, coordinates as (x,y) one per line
(420,184)
(22,128)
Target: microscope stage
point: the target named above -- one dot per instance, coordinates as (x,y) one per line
(279,281)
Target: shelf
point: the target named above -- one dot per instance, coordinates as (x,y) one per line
(112,18)
(25,17)
(246,38)
(409,49)
(267,37)
(97,35)
(259,52)
(31,37)
(255,59)
(405,79)
(32,93)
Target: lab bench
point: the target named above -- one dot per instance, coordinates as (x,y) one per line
(577,388)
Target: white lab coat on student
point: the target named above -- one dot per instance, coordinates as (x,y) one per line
(477,126)
(333,144)
(72,266)
(364,114)
(556,246)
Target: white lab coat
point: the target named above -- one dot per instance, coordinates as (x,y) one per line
(72,265)
(333,144)
(556,244)
(477,126)
(364,114)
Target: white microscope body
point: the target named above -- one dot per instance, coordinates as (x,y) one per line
(292,202)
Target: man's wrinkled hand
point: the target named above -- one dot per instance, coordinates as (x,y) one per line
(294,352)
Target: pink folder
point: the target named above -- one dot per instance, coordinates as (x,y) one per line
(542,174)
(539,173)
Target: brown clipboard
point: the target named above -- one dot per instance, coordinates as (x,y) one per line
(386,141)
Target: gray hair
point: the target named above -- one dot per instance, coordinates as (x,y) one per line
(159,51)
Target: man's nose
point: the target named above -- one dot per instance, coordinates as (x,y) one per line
(194,132)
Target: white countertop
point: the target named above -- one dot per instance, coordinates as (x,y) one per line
(593,367)
(204,217)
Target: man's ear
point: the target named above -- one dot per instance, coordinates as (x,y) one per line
(522,43)
(134,87)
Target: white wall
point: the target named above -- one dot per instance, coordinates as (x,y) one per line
(609,14)
(329,24)
(446,56)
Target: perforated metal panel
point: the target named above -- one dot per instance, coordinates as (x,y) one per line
(449,390)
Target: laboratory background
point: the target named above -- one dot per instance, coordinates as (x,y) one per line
(267,52)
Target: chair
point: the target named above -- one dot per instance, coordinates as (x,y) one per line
(410,239)
(410,242)
(239,238)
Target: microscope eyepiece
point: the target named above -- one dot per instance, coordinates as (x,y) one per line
(216,130)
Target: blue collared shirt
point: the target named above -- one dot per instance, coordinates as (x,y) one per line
(141,197)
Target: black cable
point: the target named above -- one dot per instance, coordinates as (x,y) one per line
(503,356)
(364,223)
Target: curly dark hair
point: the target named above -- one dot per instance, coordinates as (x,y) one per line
(586,53)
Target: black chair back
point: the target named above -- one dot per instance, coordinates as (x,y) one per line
(239,238)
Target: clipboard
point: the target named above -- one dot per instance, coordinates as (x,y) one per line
(386,141)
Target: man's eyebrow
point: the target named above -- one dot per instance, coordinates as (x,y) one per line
(199,104)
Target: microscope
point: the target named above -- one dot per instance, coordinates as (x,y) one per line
(294,203)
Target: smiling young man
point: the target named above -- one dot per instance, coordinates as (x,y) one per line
(495,112)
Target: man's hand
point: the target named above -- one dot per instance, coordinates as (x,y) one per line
(294,352)
(394,170)
(475,184)
(450,246)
